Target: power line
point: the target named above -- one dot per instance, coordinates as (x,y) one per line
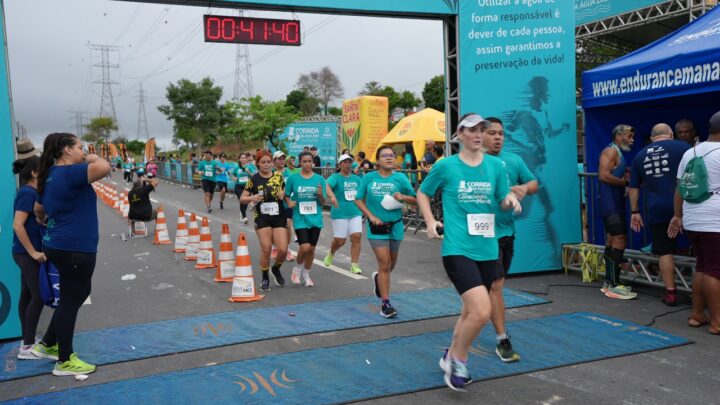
(79,118)
(107,103)
(142,128)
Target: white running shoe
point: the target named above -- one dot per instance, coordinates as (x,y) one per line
(296,273)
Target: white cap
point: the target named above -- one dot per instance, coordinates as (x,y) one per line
(471,121)
(344,157)
(278,154)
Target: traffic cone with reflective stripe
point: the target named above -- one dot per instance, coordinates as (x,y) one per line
(243,287)
(226,261)
(193,243)
(126,206)
(116,201)
(181,236)
(206,252)
(161,232)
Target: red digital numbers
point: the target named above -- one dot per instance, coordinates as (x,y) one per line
(251,30)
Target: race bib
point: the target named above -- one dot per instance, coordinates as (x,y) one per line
(181,242)
(481,225)
(269,208)
(208,173)
(308,208)
(204,257)
(227,269)
(350,195)
(242,179)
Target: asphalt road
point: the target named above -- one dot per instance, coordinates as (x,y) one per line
(167,287)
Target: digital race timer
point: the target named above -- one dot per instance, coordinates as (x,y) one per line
(246,30)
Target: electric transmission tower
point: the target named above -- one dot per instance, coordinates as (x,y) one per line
(107,103)
(243,71)
(79,117)
(142,128)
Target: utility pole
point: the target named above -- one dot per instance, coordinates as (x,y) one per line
(243,71)
(79,117)
(142,128)
(107,103)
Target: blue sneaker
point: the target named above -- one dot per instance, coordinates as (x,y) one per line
(444,362)
(458,376)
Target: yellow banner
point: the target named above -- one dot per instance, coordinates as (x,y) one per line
(364,124)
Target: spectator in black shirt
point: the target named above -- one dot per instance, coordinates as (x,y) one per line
(139,197)
(316,158)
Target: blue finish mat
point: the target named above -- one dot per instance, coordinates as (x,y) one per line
(139,341)
(380,368)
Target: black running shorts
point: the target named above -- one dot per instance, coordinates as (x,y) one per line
(615,224)
(208,186)
(270,221)
(221,186)
(662,244)
(467,274)
(308,235)
(506,246)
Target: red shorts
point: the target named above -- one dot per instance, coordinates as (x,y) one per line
(706,246)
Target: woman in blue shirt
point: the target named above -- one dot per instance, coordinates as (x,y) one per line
(473,185)
(67,203)
(241,175)
(27,252)
(380,197)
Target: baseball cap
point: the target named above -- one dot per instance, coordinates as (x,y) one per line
(344,157)
(278,154)
(713,125)
(471,121)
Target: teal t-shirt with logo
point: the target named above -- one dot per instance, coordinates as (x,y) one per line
(518,173)
(345,190)
(208,169)
(241,174)
(222,176)
(470,198)
(128,167)
(308,209)
(373,189)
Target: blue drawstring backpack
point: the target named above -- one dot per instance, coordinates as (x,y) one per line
(49,281)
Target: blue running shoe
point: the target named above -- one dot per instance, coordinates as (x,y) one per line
(458,377)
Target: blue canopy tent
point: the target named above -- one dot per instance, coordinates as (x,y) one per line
(675,77)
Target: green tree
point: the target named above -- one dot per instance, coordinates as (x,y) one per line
(434,93)
(136,147)
(323,85)
(99,129)
(407,100)
(195,111)
(303,103)
(337,111)
(255,119)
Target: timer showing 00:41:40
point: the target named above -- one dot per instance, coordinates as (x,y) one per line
(246,30)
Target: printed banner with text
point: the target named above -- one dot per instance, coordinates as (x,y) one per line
(517,63)
(322,135)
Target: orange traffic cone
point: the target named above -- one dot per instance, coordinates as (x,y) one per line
(161,231)
(181,236)
(193,242)
(243,287)
(126,206)
(206,253)
(226,261)
(116,201)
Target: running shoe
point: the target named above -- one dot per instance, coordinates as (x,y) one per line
(327,261)
(670,298)
(265,285)
(245,220)
(26,353)
(42,351)
(209,210)
(296,273)
(387,311)
(277,276)
(505,352)
(375,282)
(606,286)
(307,279)
(355,269)
(444,362)
(458,376)
(74,366)
(620,293)
(289,257)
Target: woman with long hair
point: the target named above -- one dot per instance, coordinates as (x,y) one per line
(473,184)
(266,190)
(67,203)
(410,163)
(27,252)
(305,195)
(380,197)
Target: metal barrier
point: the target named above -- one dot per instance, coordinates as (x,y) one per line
(641,267)
(179,173)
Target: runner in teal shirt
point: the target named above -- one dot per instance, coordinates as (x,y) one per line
(305,194)
(522,182)
(241,175)
(473,186)
(221,178)
(346,216)
(395,189)
(208,168)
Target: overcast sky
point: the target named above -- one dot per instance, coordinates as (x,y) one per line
(52,71)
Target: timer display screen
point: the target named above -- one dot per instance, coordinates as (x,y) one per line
(246,30)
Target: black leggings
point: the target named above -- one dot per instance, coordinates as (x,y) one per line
(128,176)
(239,188)
(76,270)
(30,305)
